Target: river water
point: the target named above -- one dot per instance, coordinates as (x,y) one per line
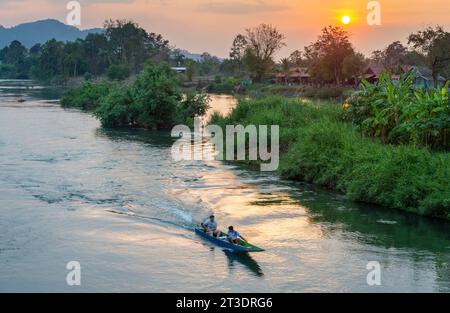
(115,202)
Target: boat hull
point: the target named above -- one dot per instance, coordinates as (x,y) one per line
(228,245)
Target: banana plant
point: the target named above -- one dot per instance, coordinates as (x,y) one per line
(397,112)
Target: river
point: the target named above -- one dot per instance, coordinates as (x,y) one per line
(115,202)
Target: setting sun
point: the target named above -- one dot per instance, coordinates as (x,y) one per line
(346,19)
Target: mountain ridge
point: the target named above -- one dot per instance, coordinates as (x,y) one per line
(41,31)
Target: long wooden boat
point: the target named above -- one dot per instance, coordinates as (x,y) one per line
(221,241)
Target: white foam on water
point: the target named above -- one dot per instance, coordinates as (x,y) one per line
(173,208)
(387,222)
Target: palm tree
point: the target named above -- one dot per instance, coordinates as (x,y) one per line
(286,69)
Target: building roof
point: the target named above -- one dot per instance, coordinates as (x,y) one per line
(375,70)
(296,72)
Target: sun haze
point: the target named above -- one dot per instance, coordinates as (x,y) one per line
(346,20)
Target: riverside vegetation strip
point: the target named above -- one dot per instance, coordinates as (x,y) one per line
(318,147)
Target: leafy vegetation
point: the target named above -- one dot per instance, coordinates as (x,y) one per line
(256,49)
(399,113)
(115,109)
(123,47)
(155,97)
(87,96)
(15,63)
(327,55)
(118,72)
(434,45)
(193,105)
(318,147)
(152,101)
(223,86)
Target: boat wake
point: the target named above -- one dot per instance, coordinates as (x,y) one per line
(181,219)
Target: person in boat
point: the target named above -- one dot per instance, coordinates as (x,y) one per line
(234,236)
(210,227)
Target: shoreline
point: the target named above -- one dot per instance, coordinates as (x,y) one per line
(333,155)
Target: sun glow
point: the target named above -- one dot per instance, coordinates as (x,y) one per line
(346,20)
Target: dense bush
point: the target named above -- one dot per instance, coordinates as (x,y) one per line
(397,112)
(191,106)
(87,96)
(115,109)
(152,101)
(317,147)
(118,72)
(155,96)
(220,86)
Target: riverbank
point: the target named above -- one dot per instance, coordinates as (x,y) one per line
(236,87)
(317,147)
(302,91)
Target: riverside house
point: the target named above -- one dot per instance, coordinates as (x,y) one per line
(298,76)
(424,78)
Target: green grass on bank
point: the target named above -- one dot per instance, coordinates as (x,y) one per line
(317,147)
(305,91)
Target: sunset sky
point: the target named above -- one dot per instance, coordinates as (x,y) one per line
(210,25)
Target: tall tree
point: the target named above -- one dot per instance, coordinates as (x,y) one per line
(434,44)
(209,65)
(377,56)
(36,50)
(415,58)
(394,56)
(285,65)
(296,58)
(327,54)
(354,66)
(238,48)
(132,45)
(50,62)
(96,50)
(16,56)
(262,44)
(14,53)
(237,53)
(191,69)
(74,59)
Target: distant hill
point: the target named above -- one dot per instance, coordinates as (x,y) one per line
(32,33)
